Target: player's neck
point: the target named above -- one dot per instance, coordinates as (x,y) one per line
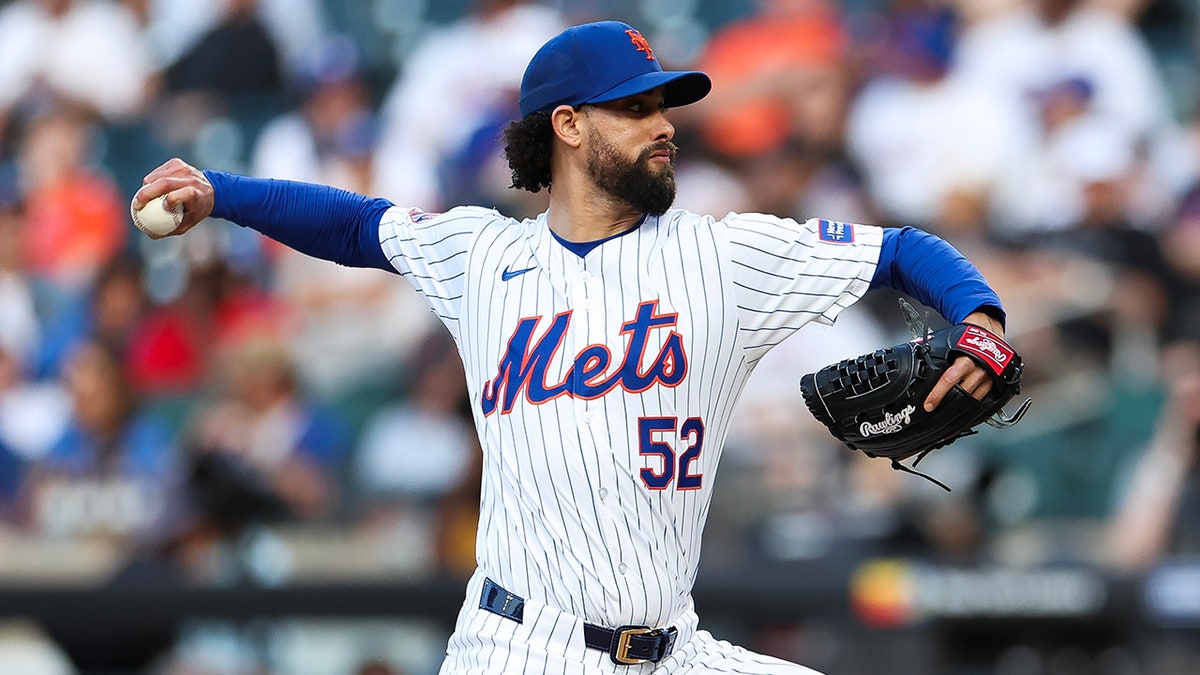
(589,215)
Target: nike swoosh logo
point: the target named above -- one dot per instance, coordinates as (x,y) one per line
(507,274)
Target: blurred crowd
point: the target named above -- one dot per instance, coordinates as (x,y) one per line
(166,400)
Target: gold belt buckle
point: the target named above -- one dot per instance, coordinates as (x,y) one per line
(620,652)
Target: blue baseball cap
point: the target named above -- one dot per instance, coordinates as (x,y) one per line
(602,61)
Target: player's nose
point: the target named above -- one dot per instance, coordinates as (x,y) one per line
(663,128)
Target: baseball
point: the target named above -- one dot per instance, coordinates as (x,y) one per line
(155,219)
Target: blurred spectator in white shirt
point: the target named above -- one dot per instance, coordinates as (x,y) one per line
(329,137)
(418,448)
(920,134)
(416,469)
(88,52)
(450,85)
(1023,53)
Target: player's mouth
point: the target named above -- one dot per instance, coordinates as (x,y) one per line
(663,154)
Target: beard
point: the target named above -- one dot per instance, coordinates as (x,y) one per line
(634,182)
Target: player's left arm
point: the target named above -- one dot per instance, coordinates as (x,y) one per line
(935,273)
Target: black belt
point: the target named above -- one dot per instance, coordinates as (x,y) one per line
(626,645)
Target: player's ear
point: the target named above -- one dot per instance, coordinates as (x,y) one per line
(564,120)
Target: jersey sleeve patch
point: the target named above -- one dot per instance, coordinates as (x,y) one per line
(419,216)
(835,232)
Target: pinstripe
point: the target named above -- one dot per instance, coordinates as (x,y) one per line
(566,516)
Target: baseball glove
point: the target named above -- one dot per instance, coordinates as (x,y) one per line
(875,402)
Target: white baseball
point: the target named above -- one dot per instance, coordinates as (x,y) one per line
(155,219)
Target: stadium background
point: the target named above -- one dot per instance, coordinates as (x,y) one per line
(218,456)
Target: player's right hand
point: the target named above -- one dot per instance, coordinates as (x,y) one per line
(182,183)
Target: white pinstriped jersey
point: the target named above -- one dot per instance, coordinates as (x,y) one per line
(603,386)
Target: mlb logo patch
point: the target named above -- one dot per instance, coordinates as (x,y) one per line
(834,232)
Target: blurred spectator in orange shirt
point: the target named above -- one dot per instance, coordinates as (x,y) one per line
(759,67)
(75,217)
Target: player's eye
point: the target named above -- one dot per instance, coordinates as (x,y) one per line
(645,106)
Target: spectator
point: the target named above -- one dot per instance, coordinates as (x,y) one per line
(1139,308)
(114,471)
(75,219)
(470,67)
(226,85)
(416,470)
(174,27)
(83,52)
(264,419)
(1035,45)
(1073,145)
(789,458)
(107,312)
(417,449)
(347,327)
(236,56)
(1157,514)
(330,137)
(350,329)
(1038,43)
(32,413)
(457,524)
(921,136)
(766,69)
(802,177)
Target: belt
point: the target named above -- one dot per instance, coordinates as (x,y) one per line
(626,645)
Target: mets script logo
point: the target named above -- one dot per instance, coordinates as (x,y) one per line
(593,372)
(640,42)
(890,424)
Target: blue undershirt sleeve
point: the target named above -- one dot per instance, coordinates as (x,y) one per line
(318,220)
(934,273)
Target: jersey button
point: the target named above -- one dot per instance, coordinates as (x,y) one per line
(585,276)
(588,304)
(622,568)
(603,492)
(589,417)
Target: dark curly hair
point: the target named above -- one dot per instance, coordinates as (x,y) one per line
(527,144)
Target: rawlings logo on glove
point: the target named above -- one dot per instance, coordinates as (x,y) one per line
(874,403)
(892,422)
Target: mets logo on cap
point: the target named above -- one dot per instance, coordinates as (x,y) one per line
(635,36)
(599,62)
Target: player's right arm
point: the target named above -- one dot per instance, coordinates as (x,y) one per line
(317,220)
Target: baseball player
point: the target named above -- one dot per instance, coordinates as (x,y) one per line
(605,343)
